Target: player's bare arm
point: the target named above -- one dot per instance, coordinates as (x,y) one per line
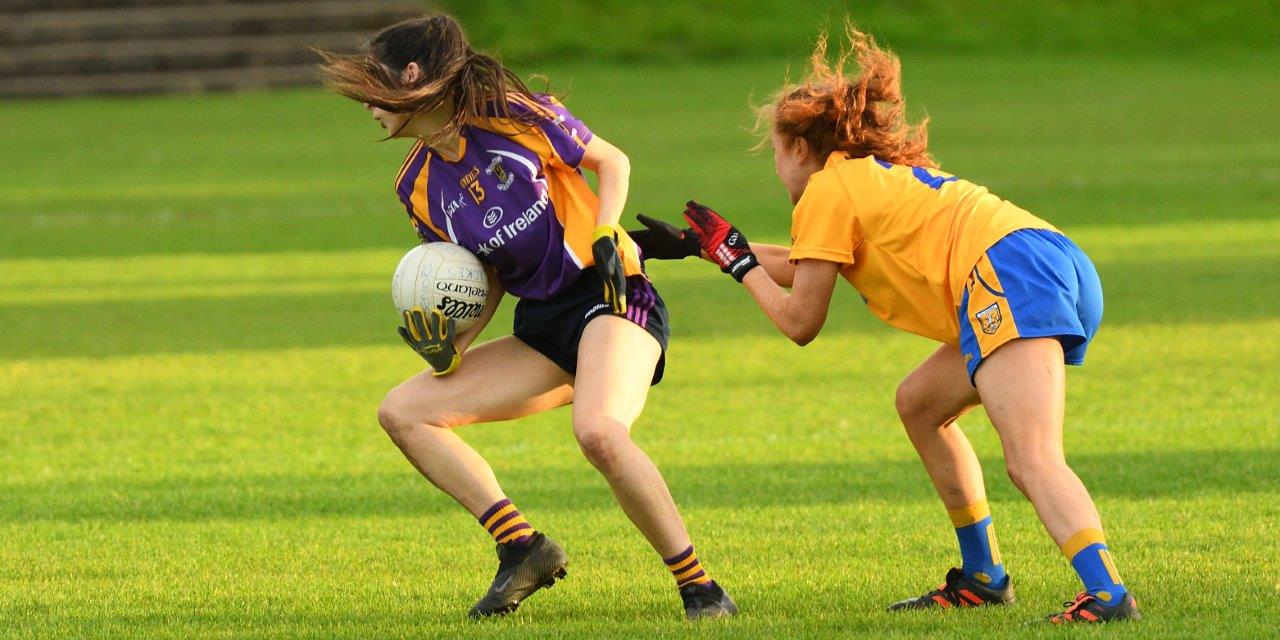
(609,243)
(800,314)
(776,261)
(613,169)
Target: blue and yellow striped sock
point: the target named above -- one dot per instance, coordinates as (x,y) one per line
(505,524)
(1087,550)
(979,552)
(686,568)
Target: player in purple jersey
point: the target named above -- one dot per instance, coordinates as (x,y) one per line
(497,169)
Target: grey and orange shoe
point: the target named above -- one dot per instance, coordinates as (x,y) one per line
(706,600)
(959,590)
(1088,608)
(522,570)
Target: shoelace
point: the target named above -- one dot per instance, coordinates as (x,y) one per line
(1073,606)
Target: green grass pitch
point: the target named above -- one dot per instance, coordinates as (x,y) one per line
(195,330)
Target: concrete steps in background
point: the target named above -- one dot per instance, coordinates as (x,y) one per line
(77,47)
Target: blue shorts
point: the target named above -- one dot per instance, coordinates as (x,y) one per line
(1033,283)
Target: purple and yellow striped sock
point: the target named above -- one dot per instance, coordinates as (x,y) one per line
(505,524)
(686,568)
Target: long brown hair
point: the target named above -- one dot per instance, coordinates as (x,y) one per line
(862,115)
(454,75)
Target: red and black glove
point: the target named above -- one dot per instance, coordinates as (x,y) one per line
(721,241)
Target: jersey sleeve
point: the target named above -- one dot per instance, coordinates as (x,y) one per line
(824,225)
(566,135)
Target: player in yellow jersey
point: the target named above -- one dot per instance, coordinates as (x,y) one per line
(1010,297)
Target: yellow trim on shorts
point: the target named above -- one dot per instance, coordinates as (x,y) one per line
(989,315)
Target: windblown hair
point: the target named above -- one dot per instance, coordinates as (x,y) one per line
(834,110)
(454,75)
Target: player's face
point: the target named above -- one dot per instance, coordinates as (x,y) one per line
(396,122)
(793,163)
(389,120)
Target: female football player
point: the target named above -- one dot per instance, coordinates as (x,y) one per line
(495,168)
(1010,297)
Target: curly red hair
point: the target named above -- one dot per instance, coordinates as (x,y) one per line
(862,115)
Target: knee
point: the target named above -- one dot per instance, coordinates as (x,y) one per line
(1029,469)
(912,405)
(399,414)
(393,415)
(601,441)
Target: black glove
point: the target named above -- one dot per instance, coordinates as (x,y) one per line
(664,241)
(608,259)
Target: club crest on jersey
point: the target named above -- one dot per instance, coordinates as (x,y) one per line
(989,318)
(504,177)
(472,182)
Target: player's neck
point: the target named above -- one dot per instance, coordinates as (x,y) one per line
(449,148)
(424,126)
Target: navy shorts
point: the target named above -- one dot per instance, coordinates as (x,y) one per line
(554,327)
(1033,283)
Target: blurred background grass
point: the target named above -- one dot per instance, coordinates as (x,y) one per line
(617,30)
(195,329)
(300,169)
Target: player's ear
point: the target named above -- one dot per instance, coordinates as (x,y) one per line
(800,149)
(411,73)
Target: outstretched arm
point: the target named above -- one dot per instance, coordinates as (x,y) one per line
(800,314)
(776,261)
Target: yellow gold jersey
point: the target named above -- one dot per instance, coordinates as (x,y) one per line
(909,237)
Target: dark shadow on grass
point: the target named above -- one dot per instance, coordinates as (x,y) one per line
(307,320)
(577,487)
(572,486)
(1141,291)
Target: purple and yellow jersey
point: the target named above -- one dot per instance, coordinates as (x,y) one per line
(515,197)
(908,237)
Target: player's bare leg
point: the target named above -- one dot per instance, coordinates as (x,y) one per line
(616,360)
(1023,387)
(499,380)
(503,379)
(929,401)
